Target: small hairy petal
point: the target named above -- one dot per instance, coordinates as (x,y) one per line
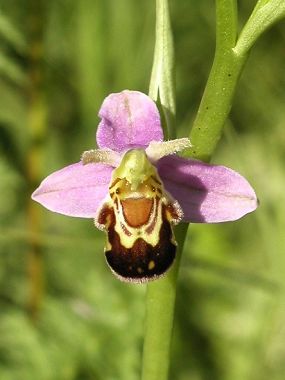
(105,156)
(76,190)
(130,119)
(156,150)
(206,193)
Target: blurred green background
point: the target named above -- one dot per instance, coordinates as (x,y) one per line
(63,316)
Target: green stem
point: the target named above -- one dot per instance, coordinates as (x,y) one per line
(160,307)
(217,98)
(230,58)
(37,127)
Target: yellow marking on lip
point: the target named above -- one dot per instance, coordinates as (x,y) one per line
(151,265)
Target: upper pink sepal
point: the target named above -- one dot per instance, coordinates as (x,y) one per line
(130,119)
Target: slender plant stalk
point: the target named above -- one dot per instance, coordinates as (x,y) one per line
(161,295)
(37,130)
(230,57)
(218,95)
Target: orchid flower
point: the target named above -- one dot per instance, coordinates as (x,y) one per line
(136,188)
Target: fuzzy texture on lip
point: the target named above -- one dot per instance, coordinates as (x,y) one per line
(130,120)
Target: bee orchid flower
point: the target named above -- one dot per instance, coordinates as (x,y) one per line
(137,188)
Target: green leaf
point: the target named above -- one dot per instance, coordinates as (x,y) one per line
(162,84)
